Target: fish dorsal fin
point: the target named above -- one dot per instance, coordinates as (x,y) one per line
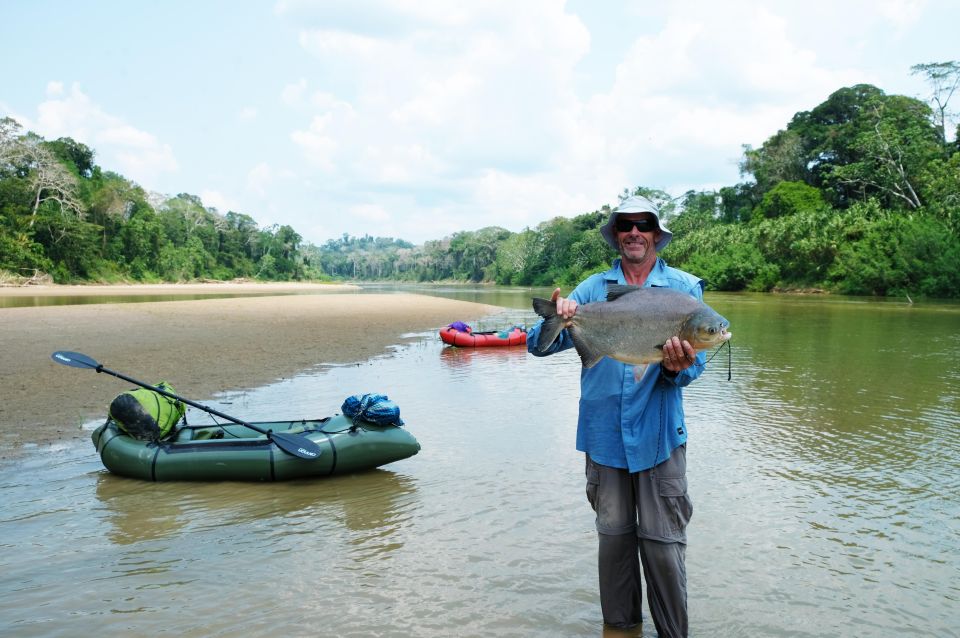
(615,291)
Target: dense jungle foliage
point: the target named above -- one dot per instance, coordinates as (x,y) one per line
(64,218)
(860,195)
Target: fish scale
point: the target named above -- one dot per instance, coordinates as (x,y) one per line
(633,324)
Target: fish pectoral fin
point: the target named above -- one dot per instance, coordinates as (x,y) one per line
(589,355)
(590,362)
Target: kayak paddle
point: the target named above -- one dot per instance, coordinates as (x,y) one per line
(291,443)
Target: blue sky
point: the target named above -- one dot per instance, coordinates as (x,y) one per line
(418,118)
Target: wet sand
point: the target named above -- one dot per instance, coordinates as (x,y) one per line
(202,347)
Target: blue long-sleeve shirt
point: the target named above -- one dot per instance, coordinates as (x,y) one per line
(625,422)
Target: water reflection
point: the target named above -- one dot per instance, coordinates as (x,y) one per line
(454,359)
(376,501)
(129,521)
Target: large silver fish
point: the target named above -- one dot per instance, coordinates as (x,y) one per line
(633,324)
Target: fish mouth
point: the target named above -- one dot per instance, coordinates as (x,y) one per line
(717,338)
(711,340)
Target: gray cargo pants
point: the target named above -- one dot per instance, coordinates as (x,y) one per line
(649,511)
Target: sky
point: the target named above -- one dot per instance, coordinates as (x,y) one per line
(415,119)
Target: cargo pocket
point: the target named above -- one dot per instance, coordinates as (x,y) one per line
(678,508)
(593,482)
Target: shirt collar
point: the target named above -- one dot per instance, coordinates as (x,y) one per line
(656,278)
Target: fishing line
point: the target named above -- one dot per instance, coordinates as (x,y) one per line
(729,358)
(656,458)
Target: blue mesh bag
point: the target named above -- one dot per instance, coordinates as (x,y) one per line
(375,408)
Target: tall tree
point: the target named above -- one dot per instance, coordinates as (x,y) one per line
(75,155)
(828,133)
(50,181)
(944,79)
(782,158)
(893,147)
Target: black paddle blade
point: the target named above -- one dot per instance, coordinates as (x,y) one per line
(74,359)
(296,445)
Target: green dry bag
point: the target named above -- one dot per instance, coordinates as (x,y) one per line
(145,414)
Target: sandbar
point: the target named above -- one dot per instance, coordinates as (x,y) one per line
(202,346)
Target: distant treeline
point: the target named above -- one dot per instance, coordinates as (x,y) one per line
(64,218)
(860,195)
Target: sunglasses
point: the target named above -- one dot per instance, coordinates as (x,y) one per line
(643,225)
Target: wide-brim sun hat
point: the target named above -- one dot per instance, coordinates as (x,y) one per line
(635,204)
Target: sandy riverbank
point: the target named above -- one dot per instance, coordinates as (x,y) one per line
(213,288)
(201,346)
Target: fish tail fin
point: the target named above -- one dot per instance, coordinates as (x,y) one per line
(589,355)
(552,322)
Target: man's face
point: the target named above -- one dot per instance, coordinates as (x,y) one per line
(637,246)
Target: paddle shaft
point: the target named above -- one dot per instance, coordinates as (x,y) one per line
(294,444)
(171,395)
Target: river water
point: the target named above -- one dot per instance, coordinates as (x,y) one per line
(825,477)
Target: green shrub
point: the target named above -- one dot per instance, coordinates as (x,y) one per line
(900,255)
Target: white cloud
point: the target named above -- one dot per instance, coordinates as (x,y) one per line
(262,177)
(370,212)
(23,120)
(259,178)
(324,42)
(685,98)
(117,133)
(54,89)
(519,201)
(247,114)
(292,94)
(450,97)
(319,142)
(484,104)
(902,13)
(121,147)
(215,199)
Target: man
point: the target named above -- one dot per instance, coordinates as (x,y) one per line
(633,434)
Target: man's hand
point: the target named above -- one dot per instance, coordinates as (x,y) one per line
(566,308)
(677,356)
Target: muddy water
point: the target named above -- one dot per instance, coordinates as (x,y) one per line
(825,476)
